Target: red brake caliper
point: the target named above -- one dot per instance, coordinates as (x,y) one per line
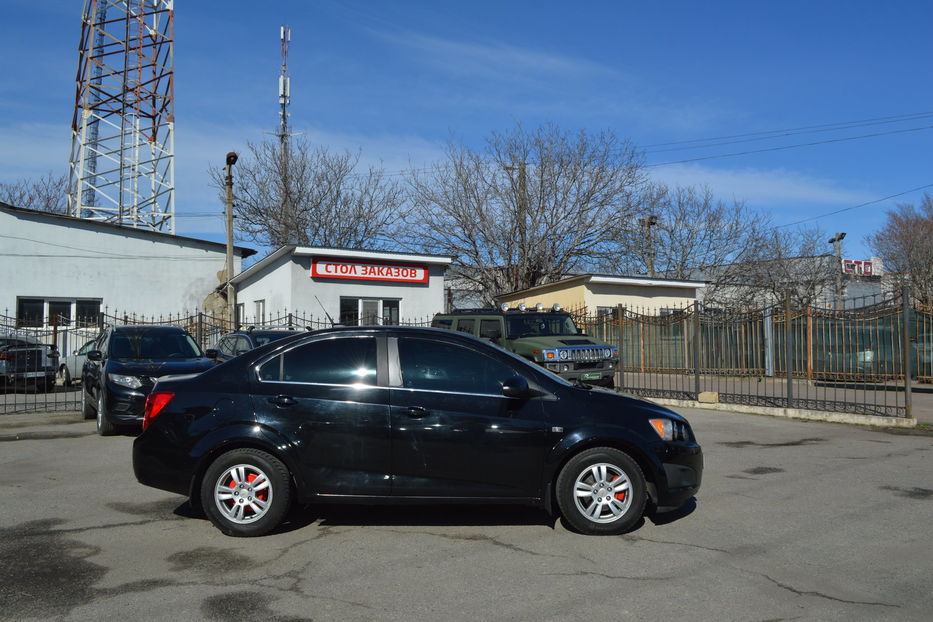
(619,495)
(261,495)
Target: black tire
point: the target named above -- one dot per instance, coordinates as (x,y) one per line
(66,376)
(606,509)
(265,507)
(104,427)
(87,411)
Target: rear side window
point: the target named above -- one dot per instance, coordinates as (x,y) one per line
(490,329)
(466,325)
(329,361)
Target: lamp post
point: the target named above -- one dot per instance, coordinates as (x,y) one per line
(837,242)
(231,292)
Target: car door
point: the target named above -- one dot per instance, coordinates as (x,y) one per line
(327,397)
(453,432)
(75,363)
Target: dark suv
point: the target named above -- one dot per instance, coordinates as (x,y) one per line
(407,415)
(126,362)
(241,341)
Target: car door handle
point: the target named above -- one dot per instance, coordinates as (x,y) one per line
(282,400)
(416,412)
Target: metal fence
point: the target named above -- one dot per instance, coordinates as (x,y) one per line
(850,361)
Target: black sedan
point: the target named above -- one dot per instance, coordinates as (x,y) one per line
(124,365)
(407,415)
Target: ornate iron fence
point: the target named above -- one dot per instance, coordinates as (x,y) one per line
(852,361)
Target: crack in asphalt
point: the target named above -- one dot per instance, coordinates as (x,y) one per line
(582,573)
(826,596)
(744,444)
(478,538)
(632,538)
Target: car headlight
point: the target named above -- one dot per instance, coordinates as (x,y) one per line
(669,430)
(131,382)
(563,354)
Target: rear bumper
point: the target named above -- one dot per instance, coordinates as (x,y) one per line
(162,465)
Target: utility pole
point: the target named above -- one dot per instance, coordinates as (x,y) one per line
(837,242)
(231,292)
(647,223)
(522,202)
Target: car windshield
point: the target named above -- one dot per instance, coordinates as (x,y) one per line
(540,325)
(153,345)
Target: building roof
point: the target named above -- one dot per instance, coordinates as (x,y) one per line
(109,227)
(343,253)
(610,279)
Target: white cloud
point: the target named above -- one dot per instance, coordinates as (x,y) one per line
(761,187)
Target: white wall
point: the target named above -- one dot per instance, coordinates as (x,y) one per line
(127,270)
(287,285)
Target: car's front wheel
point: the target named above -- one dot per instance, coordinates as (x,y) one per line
(601,491)
(104,427)
(246,492)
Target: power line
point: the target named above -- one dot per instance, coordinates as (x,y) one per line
(903,117)
(772,135)
(846,209)
(785,147)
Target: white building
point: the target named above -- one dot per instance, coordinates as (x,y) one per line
(73,269)
(349,286)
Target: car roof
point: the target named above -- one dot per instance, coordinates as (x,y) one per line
(135,328)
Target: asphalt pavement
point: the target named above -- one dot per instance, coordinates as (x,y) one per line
(795,521)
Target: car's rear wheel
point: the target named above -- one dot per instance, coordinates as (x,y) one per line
(66,376)
(601,491)
(104,427)
(246,492)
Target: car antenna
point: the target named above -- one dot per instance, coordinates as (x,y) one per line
(329,318)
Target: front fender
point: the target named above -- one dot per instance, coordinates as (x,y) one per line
(642,450)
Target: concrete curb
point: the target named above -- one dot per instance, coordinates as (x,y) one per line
(793,413)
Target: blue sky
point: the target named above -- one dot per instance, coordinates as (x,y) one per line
(398,79)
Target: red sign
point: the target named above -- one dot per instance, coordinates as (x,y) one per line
(368,270)
(857,267)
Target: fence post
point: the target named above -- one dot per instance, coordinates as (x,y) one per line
(620,315)
(905,346)
(696,350)
(200,329)
(788,360)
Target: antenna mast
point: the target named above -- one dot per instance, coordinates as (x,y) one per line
(122,167)
(285,34)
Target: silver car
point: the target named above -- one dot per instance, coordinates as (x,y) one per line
(70,369)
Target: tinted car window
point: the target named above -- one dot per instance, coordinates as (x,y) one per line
(490,329)
(466,325)
(439,366)
(330,361)
(153,345)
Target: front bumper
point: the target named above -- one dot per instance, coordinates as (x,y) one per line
(681,474)
(125,406)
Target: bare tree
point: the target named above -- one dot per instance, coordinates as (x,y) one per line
(526,209)
(686,233)
(47,193)
(786,260)
(294,193)
(905,243)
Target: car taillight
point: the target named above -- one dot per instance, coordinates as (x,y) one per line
(155,402)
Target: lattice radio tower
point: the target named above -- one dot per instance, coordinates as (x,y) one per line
(123,130)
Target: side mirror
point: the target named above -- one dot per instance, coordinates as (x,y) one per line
(95,355)
(516,386)
(211,353)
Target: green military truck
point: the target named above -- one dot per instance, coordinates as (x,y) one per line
(548,337)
